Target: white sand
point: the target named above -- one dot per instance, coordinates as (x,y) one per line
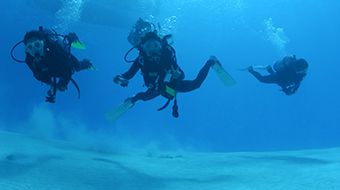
(32,164)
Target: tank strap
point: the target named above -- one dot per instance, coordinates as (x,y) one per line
(77,87)
(165,105)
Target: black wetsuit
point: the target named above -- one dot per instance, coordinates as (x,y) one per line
(56,63)
(283,75)
(154,72)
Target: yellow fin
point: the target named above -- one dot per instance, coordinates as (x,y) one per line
(78,45)
(117,112)
(226,78)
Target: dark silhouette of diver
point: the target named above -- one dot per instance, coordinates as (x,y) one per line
(287,73)
(48,55)
(162,75)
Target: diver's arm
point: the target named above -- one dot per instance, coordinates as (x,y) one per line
(30,63)
(132,71)
(269,79)
(73,60)
(41,74)
(123,79)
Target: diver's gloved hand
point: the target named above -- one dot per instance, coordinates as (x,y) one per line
(290,90)
(84,64)
(120,80)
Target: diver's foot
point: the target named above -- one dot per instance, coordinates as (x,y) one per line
(85,64)
(51,94)
(250,69)
(50,99)
(61,87)
(51,91)
(130,101)
(214,61)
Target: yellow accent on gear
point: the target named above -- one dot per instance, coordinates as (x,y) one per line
(78,45)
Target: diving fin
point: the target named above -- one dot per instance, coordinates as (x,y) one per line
(226,78)
(116,113)
(78,45)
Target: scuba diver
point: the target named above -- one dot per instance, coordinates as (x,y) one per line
(288,73)
(49,57)
(158,65)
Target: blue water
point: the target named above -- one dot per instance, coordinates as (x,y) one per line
(247,117)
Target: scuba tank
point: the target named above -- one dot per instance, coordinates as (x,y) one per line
(284,63)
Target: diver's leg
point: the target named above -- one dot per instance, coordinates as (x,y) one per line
(145,96)
(63,81)
(269,79)
(44,77)
(190,85)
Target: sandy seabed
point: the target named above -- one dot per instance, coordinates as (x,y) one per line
(32,164)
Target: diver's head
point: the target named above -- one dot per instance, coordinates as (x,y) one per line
(34,44)
(142,26)
(151,44)
(301,66)
(139,30)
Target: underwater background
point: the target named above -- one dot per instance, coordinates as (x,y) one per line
(246,117)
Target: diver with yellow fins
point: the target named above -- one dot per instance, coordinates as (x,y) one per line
(158,64)
(49,57)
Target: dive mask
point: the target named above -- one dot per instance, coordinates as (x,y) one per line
(35,48)
(152,47)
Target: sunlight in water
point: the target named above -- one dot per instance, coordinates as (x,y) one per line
(164,26)
(276,36)
(69,13)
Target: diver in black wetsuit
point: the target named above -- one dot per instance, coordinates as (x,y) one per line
(162,76)
(287,73)
(49,57)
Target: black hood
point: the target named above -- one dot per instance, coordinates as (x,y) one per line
(149,36)
(34,34)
